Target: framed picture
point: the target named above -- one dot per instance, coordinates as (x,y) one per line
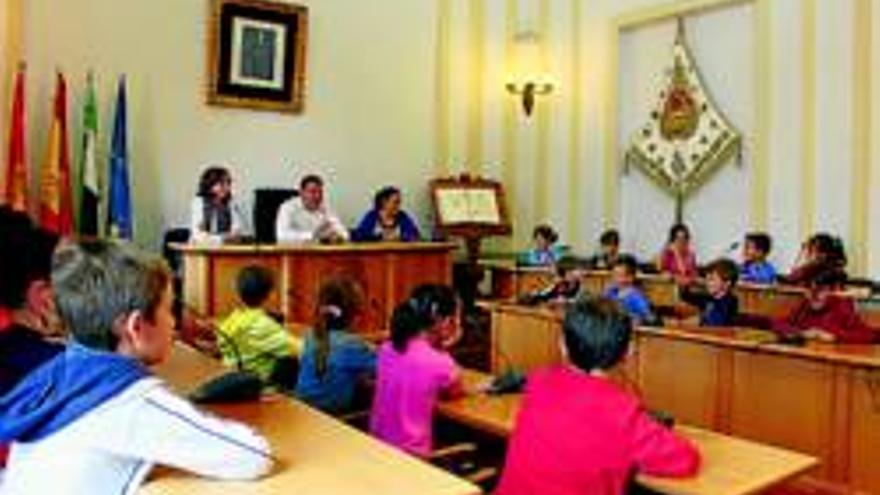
(257,55)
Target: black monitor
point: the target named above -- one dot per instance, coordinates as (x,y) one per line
(266,204)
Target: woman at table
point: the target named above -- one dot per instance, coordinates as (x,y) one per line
(214,215)
(677,258)
(387,221)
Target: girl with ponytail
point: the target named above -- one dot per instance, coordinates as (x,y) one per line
(415,368)
(334,358)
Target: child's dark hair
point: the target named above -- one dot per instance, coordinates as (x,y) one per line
(311,179)
(383,195)
(761,240)
(26,256)
(677,229)
(427,304)
(339,301)
(210,177)
(545,231)
(255,283)
(96,282)
(830,248)
(829,278)
(567,264)
(610,237)
(596,333)
(726,269)
(629,263)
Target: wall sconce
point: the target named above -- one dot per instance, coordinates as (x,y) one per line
(529,78)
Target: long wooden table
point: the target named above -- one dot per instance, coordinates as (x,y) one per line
(820,399)
(510,282)
(731,466)
(318,454)
(386,273)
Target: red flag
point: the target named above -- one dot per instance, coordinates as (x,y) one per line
(56,201)
(16,194)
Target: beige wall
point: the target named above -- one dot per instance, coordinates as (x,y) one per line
(407,89)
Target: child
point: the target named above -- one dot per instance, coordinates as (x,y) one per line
(718,306)
(677,258)
(93,418)
(415,368)
(755,268)
(624,291)
(577,431)
(545,251)
(214,215)
(822,252)
(606,259)
(334,359)
(825,316)
(250,337)
(567,284)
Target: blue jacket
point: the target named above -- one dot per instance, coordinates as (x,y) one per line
(64,389)
(761,272)
(348,360)
(368,229)
(633,302)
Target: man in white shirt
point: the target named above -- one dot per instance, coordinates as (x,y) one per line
(307,218)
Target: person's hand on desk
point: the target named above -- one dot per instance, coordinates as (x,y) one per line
(819,335)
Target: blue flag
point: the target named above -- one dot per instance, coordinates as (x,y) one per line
(119,217)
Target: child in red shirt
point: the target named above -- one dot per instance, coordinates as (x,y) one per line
(578,433)
(677,258)
(825,316)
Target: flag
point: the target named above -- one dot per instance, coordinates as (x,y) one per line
(90,196)
(56,201)
(119,207)
(16,168)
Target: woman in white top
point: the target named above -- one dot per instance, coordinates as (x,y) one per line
(214,215)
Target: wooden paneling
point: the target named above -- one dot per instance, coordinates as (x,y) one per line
(681,378)
(523,342)
(864,433)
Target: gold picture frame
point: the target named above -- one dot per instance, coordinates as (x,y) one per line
(257,55)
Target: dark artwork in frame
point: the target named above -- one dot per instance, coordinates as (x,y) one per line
(256,55)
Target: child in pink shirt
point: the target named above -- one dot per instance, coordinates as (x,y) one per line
(414,369)
(677,258)
(578,433)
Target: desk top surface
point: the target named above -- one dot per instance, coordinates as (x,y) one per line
(318,454)
(365,247)
(731,466)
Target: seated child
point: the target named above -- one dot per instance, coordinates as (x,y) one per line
(677,258)
(825,316)
(546,251)
(334,359)
(579,432)
(415,368)
(252,339)
(93,417)
(755,268)
(624,291)
(822,252)
(606,259)
(567,284)
(718,305)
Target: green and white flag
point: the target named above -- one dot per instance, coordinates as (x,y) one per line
(91,195)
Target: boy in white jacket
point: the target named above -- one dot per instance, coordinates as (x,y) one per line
(93,419)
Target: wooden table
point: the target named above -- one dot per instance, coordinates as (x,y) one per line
(318,453)
(386,273)
(820,399)
(731,466)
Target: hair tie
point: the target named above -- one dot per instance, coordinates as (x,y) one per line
(330,310)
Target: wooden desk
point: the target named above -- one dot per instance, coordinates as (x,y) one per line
(821,399)
(731,466)
(386,272)
(510,281)
(318,453)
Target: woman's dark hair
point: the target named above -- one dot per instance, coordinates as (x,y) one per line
(829,248)
(596,333)
(383,195)
(339,301)
(427,304)
(255,283)
(677,229)
(210,177)
(546,232)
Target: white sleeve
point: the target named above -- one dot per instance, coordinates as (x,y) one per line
(166,429)
(197,219)
(286,225)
